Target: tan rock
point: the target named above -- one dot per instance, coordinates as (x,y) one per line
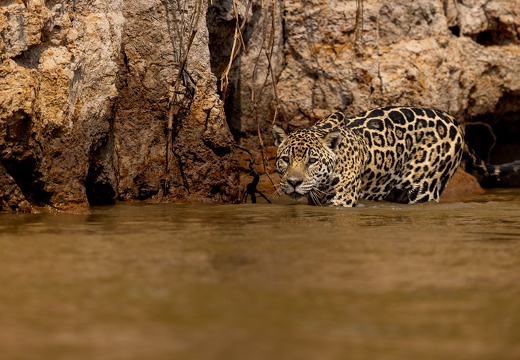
(460,186)
(85,86)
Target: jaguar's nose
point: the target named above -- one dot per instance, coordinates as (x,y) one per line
(294,182)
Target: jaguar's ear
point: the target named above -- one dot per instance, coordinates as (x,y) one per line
(332,140)
(279,135)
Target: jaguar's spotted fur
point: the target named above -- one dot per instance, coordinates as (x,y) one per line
(401,154)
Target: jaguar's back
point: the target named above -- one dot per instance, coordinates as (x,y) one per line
(413,152)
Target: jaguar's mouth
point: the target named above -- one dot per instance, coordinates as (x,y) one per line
(296,196)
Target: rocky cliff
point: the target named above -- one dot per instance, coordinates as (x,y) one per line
(103,101)
(95,106)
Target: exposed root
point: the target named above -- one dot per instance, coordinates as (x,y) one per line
(251,189)
(184,46)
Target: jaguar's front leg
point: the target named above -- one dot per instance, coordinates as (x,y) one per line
(345,192)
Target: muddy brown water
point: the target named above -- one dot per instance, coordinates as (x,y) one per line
(381,281)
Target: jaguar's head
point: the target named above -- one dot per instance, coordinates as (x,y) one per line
(305,160)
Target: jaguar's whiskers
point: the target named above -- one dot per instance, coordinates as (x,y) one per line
(316,195)
(276,194)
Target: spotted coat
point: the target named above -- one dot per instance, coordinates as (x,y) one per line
(401,154)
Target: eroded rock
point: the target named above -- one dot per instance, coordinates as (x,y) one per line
(200,163)
(87,88)
(84,101)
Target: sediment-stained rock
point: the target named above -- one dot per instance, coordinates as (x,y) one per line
(249,94)
(415,53)
(11,197)
(200,163)
(87,89)
(84,91)
(61,62)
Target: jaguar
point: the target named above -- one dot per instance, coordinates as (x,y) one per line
(398,154)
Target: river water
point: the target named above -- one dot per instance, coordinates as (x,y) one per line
(380,281)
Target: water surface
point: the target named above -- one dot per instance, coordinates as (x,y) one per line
(381,281)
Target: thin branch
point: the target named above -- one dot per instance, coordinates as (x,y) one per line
(268,50)
(358,41)
(491,132)
(173,101)
(238,43)
(269,53)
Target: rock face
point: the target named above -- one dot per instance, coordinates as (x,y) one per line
(94,105)
(462,57)
(84,89)
(58,70)
(250,94)
(200,161)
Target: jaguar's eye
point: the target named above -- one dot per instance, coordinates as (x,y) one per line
(285,159)
(313,160)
